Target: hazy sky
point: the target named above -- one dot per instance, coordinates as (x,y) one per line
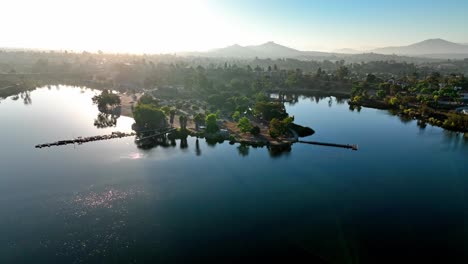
(177,25)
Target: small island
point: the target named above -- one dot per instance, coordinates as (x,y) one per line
(259,122)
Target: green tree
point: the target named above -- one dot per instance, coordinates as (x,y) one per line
(172,113)
(244,125)
(105,99)
(236,116)
(381,94)
(342,72)
(394,101)
(199,120)
(270,110)
(183,122)
(148,99)
(211,123)
(261,97)
(255,130)
(149,116)
(280,127)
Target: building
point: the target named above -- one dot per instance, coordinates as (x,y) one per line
(462,110)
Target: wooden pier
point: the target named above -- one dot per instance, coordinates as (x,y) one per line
(347,146)
(81,140)
(157,133)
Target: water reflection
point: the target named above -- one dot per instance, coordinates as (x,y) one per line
(335,204)
(144,142)
(26,96)
(243,150)
(358,108)
(183,143)
(104,120)
(421,124)
(197,148)
(276,152)
(212,142)
(454,140)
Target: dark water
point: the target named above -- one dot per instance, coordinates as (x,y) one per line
(400,198)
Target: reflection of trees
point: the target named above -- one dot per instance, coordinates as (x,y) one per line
(340,100)
(421,124)
(454,140)
(213,141)
(292,99)
(355,107)
(197,148)
(153,142)
(317,99)
(276,152)
(183,143)
(405,119)
(243,150)
(26,96)
(104,120)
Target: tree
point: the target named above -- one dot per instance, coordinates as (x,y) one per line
(148,99)
(244,125)
(280,127)
(105,99)
(236,116)
(149,116)
(199,120)
(293,79)
(183,122)
(371,78)
(261,97)
(270,110)
(211,123)
(394,101)
(172,113)
(381,94)
(255,130)
(342,72)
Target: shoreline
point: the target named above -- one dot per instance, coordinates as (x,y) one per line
(434,117)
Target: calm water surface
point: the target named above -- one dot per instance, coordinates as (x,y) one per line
(401,197)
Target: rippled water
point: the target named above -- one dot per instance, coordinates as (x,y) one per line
(400,198)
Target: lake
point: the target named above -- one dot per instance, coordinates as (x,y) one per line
(401,198)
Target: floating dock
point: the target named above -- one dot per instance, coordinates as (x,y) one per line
(347,146)
(81,140)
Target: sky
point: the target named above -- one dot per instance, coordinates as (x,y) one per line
(170,26)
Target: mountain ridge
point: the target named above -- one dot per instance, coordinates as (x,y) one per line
(425,48)
(430,48)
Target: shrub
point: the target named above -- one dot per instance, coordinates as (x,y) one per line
(244,125)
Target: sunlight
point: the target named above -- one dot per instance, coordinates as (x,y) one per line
(119,26)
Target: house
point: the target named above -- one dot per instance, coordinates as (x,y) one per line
(462,110)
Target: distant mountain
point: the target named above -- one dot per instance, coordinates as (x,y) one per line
(422,51)
(348,51)
(271,49)
(266,50)
(438,47)
(232,51)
